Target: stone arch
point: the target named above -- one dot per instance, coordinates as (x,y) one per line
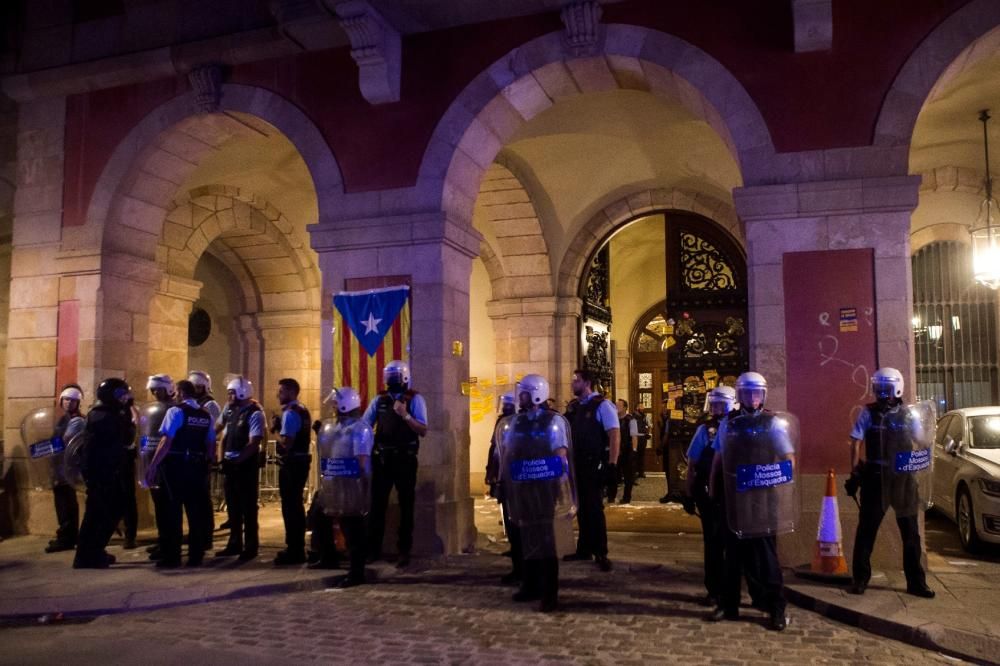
(961,39)
(619,213)
(946,180)
(539,73)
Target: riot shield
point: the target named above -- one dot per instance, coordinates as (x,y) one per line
(907,458)
(759,458)
(535,457)
(148,434)
(345,484)
(43,447)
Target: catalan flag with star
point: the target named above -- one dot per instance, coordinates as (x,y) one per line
(370,328)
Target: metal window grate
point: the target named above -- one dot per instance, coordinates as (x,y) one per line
(955,329)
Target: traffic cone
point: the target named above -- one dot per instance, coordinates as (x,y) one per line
(829,555)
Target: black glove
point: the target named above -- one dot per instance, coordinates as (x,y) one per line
(852,484)
(689,505)
(317,426)
(611,473)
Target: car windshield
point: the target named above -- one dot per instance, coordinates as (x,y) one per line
(985,432)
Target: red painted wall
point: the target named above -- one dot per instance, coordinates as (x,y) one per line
(67,343)
(828,367)
(810,101)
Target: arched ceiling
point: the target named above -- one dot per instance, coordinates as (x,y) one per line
(592,149)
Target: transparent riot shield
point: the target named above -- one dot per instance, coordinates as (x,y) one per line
(72,465)
(907,458)
(538,480)
(759,458)
(43,447)
(148,434)
(345,484)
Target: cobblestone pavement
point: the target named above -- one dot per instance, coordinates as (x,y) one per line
(455,612)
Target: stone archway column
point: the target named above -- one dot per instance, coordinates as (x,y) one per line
(537,334)
(437,254)
(290,349)
(818,216)
(169,312)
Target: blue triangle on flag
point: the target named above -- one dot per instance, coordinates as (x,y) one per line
(370,314)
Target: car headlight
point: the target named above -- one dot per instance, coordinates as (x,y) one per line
(990,487)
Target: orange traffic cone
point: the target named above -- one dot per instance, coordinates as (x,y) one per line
(829,555)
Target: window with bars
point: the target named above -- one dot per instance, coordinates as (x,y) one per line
(955,329)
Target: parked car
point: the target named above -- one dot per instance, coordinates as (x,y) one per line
(967,473)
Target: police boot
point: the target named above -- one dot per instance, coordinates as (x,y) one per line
(720,614)
(778,621)
(920,590)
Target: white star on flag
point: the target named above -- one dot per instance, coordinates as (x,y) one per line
(371,325)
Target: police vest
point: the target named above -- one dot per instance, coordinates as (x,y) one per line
(625,428)
(873,435)
(391,431)
(238,428)
(590,439)
(301,439)
(189,440)
(702,467)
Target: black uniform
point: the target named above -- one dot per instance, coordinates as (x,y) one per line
(211,501)
(130,508)
(590,460)
(109,432)
(394,463)
(497,491)
(872,511)
(241,485)
(292,479)
(64,495)
(640,455)
(183,478)
(626,464)
(710,511)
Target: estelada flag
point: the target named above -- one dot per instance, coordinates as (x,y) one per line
(370,328)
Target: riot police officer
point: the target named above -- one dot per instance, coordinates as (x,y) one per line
(188,436)
(399,417)
(538,485)
(871,471)
(161,387)
(596,443)
(241,442)
(203,388)
(629,430)
(755,455)
(345,479)
(108,433)
(294,438)
(700,455)
(507,409)
(68,426)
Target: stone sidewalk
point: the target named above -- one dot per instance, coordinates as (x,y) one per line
(962,621)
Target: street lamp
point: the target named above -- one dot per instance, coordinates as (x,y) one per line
(985,233)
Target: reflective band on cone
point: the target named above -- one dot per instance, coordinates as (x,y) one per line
(828,557)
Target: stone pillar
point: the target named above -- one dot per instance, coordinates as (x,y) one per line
(437,254)
(537,334)
(167,327)
(850,214)
(291,349)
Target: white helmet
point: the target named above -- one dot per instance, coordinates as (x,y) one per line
(71,393)
(747,385)
(332,398)
(242,386)
(160,381)
(347,399)
(200,378)
(535,386)
(724,394)
(397,368)
(887,383)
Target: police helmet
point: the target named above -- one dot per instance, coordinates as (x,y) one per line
(721,394)
(750,385)
(507,399)
(887,383)
(398,369)
(536,386)
(71,393)
(347,399)
(161,382)
(241,386)
(114,390)
(200,378)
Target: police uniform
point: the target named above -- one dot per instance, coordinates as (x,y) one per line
(183,480)
(493,477)
(130,507)
(394,464)
(296,424)
(210,405)
(109,431)
(700,455)
(626,461)
(241,482)
(63,493)
(868,428)
(755,558)
(590,418)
